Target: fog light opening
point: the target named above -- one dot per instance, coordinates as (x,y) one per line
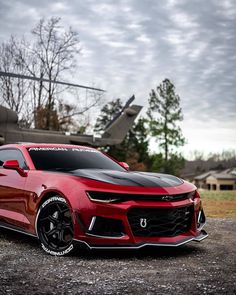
(106,227)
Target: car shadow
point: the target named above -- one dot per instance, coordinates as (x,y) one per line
(18,238)
(143,253)
(82,253)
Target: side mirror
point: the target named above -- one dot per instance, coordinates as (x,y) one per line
(14,165)
(124,165)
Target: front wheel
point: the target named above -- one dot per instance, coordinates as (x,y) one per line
(55,227)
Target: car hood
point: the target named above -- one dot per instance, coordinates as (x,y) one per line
(129,178)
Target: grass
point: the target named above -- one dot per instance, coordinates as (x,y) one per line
(220,204)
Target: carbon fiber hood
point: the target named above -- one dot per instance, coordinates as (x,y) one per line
(129,178)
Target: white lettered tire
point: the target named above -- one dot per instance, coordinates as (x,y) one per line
(54,226)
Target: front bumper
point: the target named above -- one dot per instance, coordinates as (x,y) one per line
(90,236)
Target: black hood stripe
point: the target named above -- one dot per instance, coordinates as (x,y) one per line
(129,178)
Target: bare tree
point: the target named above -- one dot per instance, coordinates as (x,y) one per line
(13,92)
(53,53)
(50,54)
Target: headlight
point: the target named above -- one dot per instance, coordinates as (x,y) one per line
(192,195)
(195,197)
(103,197)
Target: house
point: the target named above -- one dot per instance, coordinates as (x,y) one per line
(200,180)
(217,180)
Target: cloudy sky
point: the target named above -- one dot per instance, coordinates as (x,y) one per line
(130,46)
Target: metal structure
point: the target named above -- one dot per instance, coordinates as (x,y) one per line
(114,133)
(13,75)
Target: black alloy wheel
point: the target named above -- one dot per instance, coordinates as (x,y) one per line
(55,226)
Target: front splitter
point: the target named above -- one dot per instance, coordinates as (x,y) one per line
(203,235)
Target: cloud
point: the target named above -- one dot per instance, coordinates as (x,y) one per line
(129,46)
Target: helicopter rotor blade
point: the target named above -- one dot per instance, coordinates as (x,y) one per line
(13,75)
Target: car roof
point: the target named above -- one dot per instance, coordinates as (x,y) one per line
(43,145)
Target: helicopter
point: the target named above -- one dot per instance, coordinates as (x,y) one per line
(114,133)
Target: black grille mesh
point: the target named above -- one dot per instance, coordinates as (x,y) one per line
(160,222)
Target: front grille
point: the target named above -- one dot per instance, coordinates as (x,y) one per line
(149,222)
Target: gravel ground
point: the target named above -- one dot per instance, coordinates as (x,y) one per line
(208,267)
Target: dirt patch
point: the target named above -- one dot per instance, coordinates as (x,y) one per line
(208,267)
(220,208)
(219,204)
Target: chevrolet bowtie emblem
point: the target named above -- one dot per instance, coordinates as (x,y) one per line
(167,198)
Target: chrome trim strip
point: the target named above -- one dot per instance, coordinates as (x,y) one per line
(144,244)
(17,230)
(201,227)
(201,237)
(199,216)
(201,224)
(92,223)
(106,237)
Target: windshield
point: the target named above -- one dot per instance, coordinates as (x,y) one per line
(69,159)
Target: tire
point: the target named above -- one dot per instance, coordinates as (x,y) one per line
(55,227)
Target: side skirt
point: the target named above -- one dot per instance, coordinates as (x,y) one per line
(16,229)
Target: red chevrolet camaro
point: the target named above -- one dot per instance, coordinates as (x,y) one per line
(67,195)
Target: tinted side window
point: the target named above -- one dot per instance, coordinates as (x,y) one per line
(12,155)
